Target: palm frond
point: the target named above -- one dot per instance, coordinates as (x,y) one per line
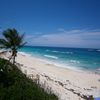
(12,40)
(5,44)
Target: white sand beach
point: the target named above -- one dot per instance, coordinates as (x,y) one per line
(65,83)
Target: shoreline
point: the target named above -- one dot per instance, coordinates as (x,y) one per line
(61,65)
(82,82)
(67,84)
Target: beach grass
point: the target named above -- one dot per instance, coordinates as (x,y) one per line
(14,85)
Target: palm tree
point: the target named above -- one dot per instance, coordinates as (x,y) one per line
(12,41)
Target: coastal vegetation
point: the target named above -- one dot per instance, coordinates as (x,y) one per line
(14,85)
(12,41)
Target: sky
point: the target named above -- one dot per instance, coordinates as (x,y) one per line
(61,23)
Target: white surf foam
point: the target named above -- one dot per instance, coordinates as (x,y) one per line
(75,61)
(50,56)
(24,54)
(67,52)
(62,65)
(58,64)
(55,51)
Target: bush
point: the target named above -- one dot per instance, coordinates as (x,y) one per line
(14,85)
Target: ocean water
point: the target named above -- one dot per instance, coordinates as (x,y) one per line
(73,58)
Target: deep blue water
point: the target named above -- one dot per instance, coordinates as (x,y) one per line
(75,58)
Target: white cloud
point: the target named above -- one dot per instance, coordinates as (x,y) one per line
(72,38)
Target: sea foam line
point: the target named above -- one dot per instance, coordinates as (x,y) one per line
(50,56)
(24,53)
(52,62)
(63,52)
(66,52)
(74,61)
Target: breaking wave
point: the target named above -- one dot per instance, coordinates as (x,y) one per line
(75,61)
(62,52)
(50,56)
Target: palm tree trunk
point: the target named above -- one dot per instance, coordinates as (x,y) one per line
(14,59)
(14,56)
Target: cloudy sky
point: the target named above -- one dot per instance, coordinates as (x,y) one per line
(67,23)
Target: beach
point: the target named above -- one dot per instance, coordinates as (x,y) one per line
(67,84)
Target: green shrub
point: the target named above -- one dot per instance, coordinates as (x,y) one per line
(14,85)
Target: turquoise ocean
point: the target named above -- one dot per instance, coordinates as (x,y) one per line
(83,59)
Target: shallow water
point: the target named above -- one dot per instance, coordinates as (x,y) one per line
(75,58)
